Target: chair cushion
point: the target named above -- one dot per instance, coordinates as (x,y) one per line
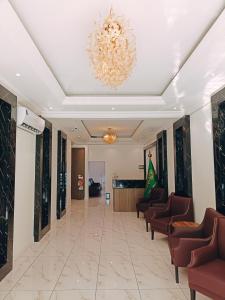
(209,277)
(160,225)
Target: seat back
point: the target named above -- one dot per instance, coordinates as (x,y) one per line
(179,205)
(158,193)
(221,238)
(208,221)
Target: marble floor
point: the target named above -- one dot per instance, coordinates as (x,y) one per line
(93,253)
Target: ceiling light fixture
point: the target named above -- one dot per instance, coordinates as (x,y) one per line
(113,108)
(50,108)
(18,74)
(110,137)
(112,50)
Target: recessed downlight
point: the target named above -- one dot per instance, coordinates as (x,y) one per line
(18,75)
(50,108)
(113,108)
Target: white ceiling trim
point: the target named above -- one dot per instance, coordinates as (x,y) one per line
(112,115)
(114,100)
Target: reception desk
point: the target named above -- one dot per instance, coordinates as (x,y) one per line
(126,194)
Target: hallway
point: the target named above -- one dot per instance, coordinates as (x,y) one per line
(93,253)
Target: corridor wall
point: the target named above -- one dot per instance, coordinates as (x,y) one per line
(24,188)
(120,160)
(24,191)
(202,160)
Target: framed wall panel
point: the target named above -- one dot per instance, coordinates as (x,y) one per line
(218,123)
(42,205)
(61,175)
(78,169)
(8,104)
(182,159)
(161,160)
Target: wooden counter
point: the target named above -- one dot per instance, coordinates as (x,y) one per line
(125,199)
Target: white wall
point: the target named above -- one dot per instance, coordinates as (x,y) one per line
(202,161)
(203,183)
(120,160)
(25,184)
(152,150)
(96,171)
(24,191)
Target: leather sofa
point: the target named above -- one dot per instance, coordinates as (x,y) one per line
(182,241)
(206,272)
(179,208)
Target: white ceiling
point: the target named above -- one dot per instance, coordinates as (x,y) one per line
(128,131)
(123,128)
(180,62)
(166,33)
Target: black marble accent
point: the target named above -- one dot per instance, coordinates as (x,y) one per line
(218,123)
(42,206)
(161,160)
(61,175)
(128,183)
(8,104)
(182,157)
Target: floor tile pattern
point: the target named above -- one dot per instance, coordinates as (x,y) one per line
(95,254)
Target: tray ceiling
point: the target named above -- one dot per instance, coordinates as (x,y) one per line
(166,34)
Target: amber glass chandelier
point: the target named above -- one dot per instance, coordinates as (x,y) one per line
(110,137)
(112,50)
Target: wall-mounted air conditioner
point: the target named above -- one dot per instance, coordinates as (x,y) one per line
(29,121)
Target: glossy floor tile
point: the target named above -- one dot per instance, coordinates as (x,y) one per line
(93,253)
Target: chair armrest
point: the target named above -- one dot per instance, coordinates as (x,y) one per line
(203,255)
(160,204)
(187,232)
(161,213)
(182,217)
(155,201)
(186,245)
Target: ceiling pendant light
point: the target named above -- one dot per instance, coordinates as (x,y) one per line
(112,50)
(110,137)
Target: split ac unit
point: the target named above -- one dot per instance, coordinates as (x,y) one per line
(29,121)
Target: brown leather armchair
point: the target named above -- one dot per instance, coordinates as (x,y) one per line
(178,209)
(157,195)
(182,241)
(206,272)
(149,213)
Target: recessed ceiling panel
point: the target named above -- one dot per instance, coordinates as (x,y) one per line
(123,128)
(166,33)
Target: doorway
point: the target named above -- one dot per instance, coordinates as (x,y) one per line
(96,171)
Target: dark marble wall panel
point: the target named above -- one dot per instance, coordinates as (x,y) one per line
(61,175)
(182,153)
(161,159)
(42,206)
(8,104)
(218,122)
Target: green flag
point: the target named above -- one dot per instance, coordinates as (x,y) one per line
(151,180)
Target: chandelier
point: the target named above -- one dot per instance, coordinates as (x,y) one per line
(110,137)
(112,50)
